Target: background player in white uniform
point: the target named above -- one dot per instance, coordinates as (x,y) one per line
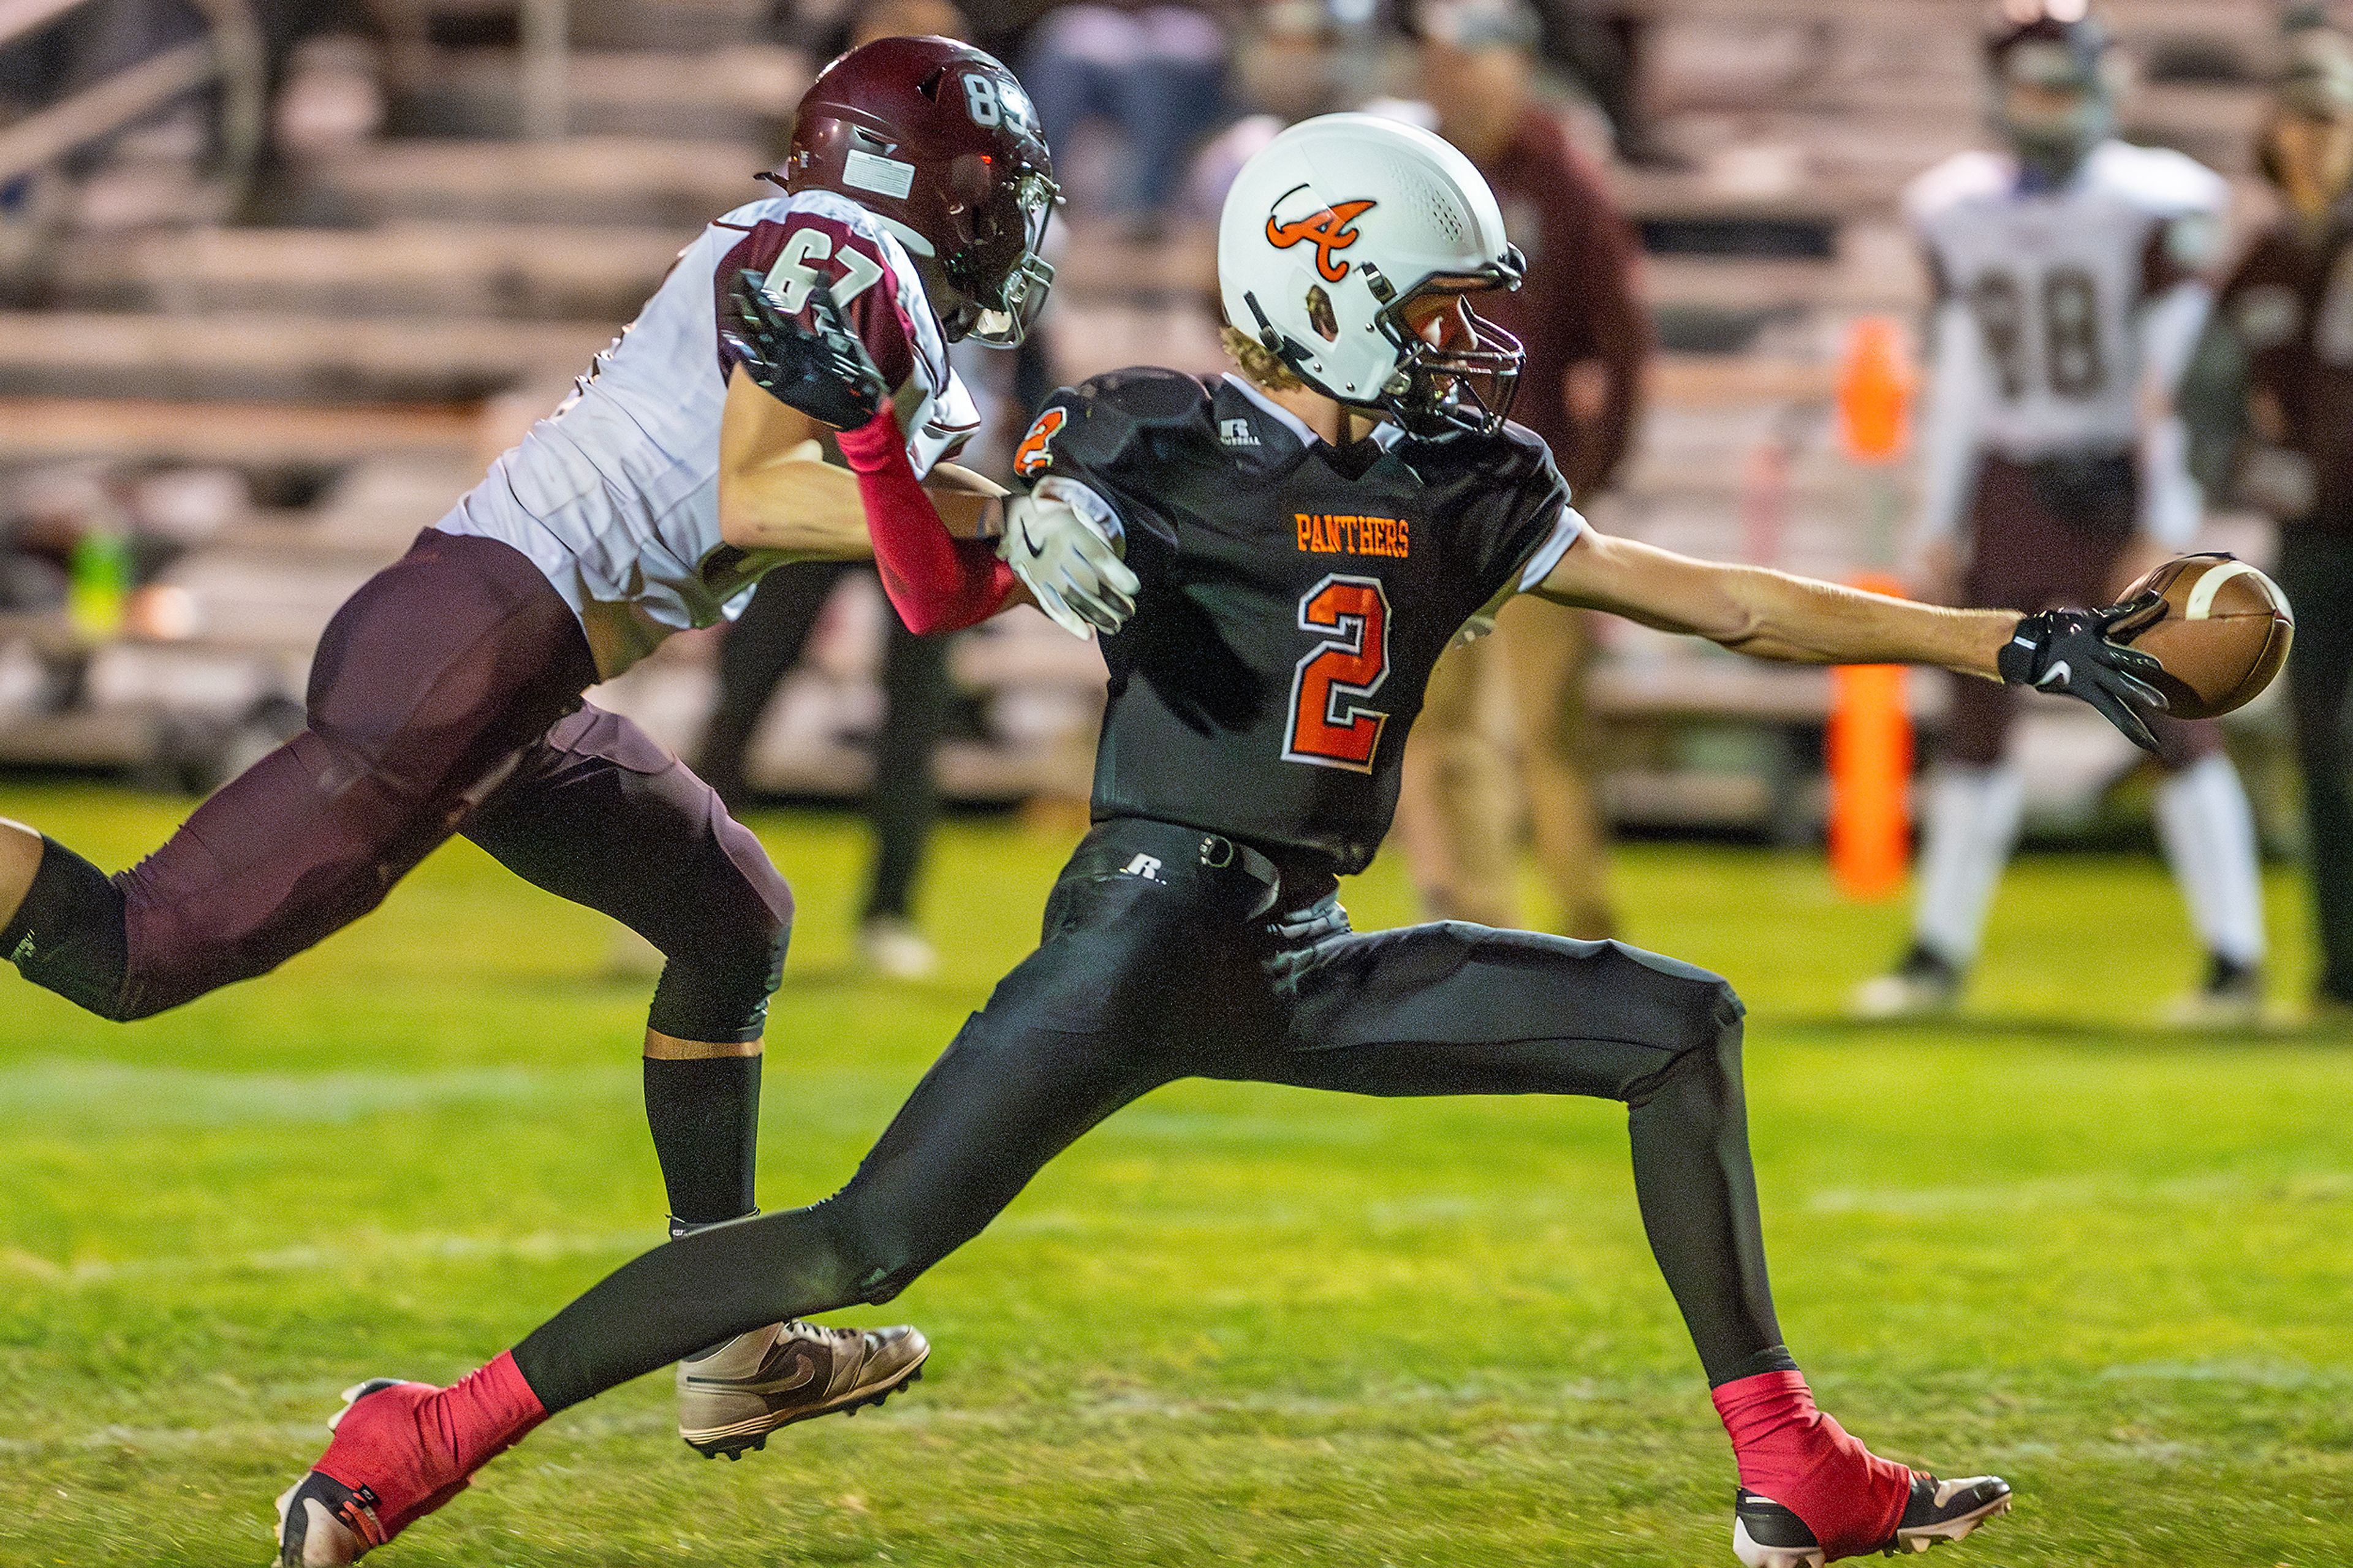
(2069,289)
(446,695)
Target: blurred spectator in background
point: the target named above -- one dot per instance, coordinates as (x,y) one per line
(1153,70)
(1600,46)
(1286,68)
(902,802)
(2274,409)
(1587,335)
(768,639)
(864,22)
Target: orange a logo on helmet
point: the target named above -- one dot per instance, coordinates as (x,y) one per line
(1031,457)
(1326,229)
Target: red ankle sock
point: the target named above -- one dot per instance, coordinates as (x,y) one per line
(1792,1453)
(487,1412)
(412,1448)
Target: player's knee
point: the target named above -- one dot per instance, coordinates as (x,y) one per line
(879,1257)
(1700,1023)
(1713,1021)
(1724,1007)
(721,996)
(717,985)
(71,935)
(1684,1005)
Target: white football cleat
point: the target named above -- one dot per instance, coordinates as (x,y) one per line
(896,950)
(733,1396)
(1924,986)
(2231,999)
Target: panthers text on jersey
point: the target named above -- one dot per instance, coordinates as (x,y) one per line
(1294,597)
(2055,279)
(615,496)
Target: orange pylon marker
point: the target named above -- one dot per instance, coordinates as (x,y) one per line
(1870,741)
(1869,765)
(1875,391)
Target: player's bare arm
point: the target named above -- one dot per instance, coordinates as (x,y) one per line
(778,493)
(1772,615)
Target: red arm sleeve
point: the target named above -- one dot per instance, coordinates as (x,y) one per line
(935,583)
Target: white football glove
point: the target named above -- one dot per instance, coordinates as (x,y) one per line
(1064,544)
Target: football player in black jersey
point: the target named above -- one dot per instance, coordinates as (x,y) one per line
(1301,542)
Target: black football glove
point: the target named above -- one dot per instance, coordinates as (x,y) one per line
(819,366)
(2075,652)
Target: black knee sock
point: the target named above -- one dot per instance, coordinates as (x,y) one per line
(705,1115)
(68,934)
(1698,1194)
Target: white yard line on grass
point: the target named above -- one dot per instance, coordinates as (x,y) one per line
(117,1096)
(2083,1192)
(348,1252)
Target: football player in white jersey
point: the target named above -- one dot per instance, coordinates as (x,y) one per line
(446,696)
(2071,291)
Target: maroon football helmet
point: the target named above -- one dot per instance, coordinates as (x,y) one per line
(939,141)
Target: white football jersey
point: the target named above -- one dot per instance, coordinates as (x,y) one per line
(615,496)
(2055,280)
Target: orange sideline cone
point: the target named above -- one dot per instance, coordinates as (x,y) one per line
(1869,742)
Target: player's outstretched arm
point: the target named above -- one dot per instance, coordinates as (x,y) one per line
(1772,615)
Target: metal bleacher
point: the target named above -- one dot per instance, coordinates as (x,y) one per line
(433,281)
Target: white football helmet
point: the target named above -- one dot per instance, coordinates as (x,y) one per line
(1332,230)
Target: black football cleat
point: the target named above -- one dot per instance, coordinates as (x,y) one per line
(321,1522)
(1766,1535)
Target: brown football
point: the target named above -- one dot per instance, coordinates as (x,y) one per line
(2223,632)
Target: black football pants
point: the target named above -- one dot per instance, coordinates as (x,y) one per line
(1165,957)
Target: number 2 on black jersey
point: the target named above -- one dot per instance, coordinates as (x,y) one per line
(1328,729)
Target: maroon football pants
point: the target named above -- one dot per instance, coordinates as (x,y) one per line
(446,697)
(2034,552)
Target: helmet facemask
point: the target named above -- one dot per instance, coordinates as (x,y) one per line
(1006,293)
(1441,389)
(1436,389)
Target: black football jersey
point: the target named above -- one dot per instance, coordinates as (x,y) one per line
(1294,597)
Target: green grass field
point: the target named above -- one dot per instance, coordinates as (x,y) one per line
(1235,1325)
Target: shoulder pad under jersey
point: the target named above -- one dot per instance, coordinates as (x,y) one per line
(1964,176)
(1088,425)
(1145,395)
(2161,182)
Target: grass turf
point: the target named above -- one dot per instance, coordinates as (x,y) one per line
(1234,1326)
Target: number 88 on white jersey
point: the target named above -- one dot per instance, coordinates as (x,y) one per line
(2054,282)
